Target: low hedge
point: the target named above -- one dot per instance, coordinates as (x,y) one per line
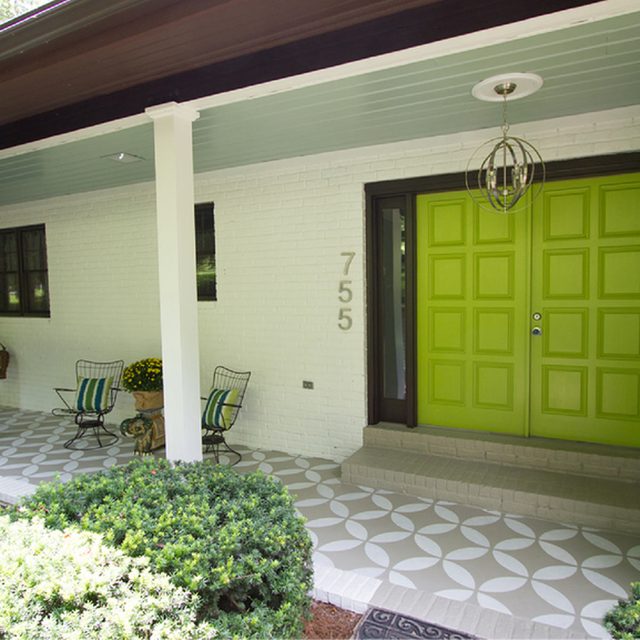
(623,621)
(58,585)
(234,540)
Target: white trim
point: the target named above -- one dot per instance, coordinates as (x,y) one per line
(184,111)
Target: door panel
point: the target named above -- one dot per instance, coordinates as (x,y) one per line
(585,366)
(472,332)
(574,258)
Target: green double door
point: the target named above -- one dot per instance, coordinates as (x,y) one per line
(529,323)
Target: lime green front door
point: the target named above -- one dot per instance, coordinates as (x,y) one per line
(529,323)
(585,373)
(472,284)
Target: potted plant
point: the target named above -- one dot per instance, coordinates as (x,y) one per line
(143,379)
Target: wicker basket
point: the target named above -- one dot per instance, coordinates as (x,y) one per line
(4,361)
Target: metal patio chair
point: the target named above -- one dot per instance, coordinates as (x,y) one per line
(94,396)
(222,407)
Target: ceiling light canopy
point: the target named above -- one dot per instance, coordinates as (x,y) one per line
(124,157)
(512,164)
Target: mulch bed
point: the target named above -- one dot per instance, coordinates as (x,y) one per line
(330,623)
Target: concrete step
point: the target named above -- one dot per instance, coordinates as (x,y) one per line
(592,460)
(590,501)
(11,491)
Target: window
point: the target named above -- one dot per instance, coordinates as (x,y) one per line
(24,281)
(205,252)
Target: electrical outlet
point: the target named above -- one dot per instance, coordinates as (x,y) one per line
(307,384)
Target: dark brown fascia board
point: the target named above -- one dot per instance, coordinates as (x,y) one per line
(127,49)
(412,27)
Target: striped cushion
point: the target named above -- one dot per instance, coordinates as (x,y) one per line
(93,394)
(217,415)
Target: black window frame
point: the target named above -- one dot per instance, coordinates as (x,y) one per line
(204,219)
(23,272)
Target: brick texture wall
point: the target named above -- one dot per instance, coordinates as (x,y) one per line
(281,228)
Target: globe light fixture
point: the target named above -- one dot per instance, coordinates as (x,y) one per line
(510,165)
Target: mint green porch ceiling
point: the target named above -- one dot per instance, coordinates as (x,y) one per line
(588,67)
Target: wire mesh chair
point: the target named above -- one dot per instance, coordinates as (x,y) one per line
(95,395)
(222,408)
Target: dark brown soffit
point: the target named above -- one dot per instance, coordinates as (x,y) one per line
(429,23)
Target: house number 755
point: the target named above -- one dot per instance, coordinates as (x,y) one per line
(345,294)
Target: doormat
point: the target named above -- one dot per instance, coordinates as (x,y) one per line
(379,623)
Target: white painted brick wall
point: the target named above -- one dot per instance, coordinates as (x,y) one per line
(280,228)
(103,285)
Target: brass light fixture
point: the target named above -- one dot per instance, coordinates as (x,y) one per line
(512,165)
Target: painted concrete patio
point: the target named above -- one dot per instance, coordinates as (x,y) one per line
(492,574)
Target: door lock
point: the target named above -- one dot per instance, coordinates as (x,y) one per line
(537,316)
(536,331)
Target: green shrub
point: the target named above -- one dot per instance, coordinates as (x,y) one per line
(233,540)
(67,585)
(623,621)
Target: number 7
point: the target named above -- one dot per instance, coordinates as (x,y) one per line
(349,255)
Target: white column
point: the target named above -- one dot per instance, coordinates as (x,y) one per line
(177,270)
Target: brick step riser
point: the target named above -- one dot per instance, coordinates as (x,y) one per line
(496,499)
(530,457)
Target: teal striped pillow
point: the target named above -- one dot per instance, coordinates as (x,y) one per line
(217,414)
(93,394)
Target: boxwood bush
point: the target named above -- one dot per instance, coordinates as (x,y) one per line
(623,621)
(67,585)
(234,540)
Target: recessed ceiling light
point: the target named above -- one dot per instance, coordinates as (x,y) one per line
(124,157)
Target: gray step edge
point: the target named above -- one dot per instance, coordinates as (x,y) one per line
(12,491)
(576,458)
(594,502)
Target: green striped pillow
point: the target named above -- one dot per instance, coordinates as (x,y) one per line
(217,414)
(93,394)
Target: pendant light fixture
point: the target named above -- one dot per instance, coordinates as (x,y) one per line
(512,165)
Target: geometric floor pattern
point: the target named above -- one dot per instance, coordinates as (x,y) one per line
(558,574)
(31,448)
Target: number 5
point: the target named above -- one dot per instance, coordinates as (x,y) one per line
(344,319)
(344,291)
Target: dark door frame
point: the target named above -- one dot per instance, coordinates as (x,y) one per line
(407,190)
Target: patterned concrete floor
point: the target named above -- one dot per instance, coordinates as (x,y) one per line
(557,574)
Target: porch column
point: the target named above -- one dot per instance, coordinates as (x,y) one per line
(177,270)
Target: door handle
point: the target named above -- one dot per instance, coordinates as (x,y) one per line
(536,331)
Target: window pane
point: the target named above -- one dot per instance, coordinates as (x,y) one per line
(206,273)
(9,292)
(33,254)
(24,285)
(37,291)
(393,294)
(8,252)
(205,252)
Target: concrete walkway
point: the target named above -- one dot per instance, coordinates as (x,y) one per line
(491,574)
